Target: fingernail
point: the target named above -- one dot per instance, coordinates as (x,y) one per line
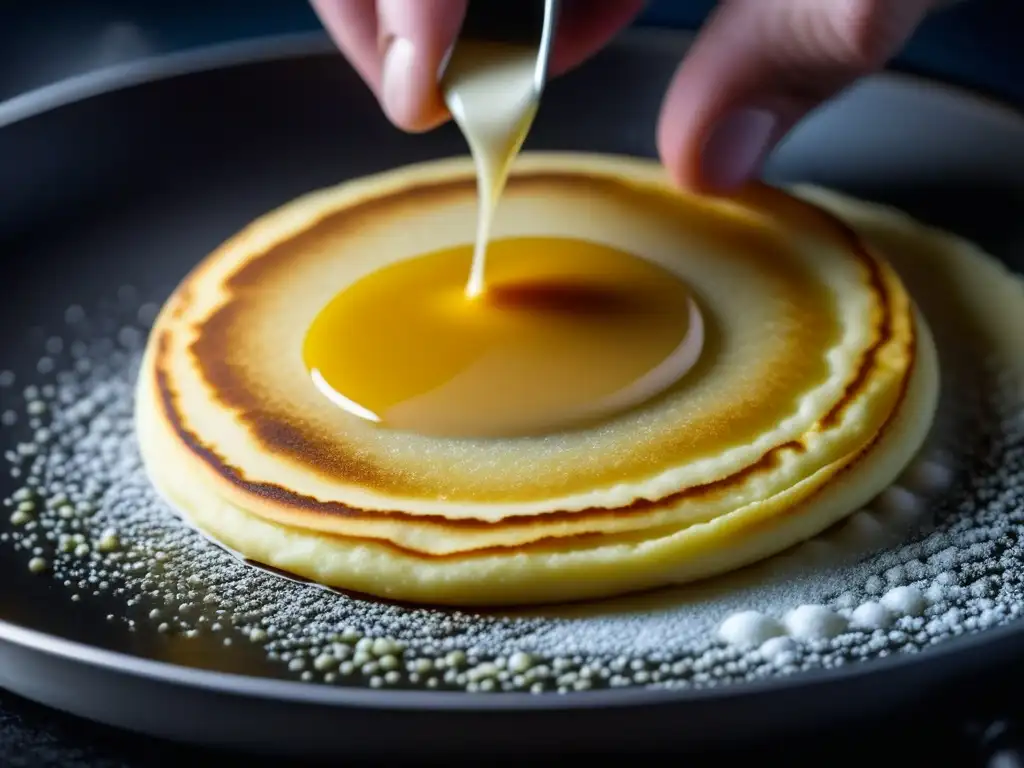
(736,148)
(398,80)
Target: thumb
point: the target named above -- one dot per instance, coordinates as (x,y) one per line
(414,36)
(758,67)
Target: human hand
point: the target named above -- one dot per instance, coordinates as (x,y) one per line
(756,69)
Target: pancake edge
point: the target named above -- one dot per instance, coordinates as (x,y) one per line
(519,577)
(344,517)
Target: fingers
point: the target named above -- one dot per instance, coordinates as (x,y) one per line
(415,35)
(397,45)
(758,67)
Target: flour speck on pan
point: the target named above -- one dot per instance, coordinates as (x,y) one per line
(935,556)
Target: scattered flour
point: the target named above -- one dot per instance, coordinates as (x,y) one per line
(746,629)
(937,555)
(871,615)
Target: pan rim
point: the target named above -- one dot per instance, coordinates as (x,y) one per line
(116,77)
(67,92)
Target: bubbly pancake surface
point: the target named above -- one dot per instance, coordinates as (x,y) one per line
(811,350)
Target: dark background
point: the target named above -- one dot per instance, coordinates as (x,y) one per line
(977,44)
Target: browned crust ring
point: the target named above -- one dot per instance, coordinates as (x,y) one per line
(282,439)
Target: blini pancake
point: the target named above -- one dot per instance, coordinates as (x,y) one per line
(817,384)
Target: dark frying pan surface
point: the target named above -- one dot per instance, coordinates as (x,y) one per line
(134,186)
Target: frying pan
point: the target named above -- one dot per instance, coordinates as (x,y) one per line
(131,175)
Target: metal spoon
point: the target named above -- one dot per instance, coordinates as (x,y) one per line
(518,22)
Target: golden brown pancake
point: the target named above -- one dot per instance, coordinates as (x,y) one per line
(816,385)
